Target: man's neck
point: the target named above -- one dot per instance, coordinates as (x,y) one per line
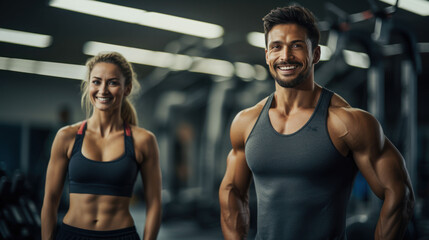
(292,99)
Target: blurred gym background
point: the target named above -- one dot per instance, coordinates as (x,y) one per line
(199,63)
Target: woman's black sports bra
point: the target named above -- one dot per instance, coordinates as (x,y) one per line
(115,177)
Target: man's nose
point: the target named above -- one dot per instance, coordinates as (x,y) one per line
(286,54)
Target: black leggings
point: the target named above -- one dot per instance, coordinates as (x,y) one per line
(67,232)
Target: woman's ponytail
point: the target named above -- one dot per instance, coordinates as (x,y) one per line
(128,112)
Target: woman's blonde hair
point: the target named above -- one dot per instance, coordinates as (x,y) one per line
(128,111)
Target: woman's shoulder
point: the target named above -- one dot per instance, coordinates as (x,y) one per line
(69,131)
(65,138)
(145,143)
(142,135)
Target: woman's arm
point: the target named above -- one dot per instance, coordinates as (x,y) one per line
(55,176)
(151,176)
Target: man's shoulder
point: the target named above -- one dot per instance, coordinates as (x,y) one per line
(337,101)
(244,122)
(349,114)
(353,121)
(341,108)
(251,113)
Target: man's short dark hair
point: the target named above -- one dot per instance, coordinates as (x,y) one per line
(293,14)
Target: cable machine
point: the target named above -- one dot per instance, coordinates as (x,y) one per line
(385,27)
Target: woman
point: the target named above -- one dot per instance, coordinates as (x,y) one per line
(102,156)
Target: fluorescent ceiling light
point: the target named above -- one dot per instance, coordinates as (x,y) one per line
(53,69)
(25,38)
(244,70)
(325,53)
(173,61)
(424,47)
(392,49)
(420,7)
(356,59)
(397,49)
(141,56)
(256,39)
(212,66)
(141,17)
(260,72)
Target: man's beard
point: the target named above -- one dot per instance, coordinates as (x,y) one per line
(291,83)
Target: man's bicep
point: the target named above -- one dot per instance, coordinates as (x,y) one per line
(390,169)
(237,175)
(383,168)
(370,148)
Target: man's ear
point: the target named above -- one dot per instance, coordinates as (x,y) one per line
(266,57)
(316,55)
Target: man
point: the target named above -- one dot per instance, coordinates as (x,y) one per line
(303,146)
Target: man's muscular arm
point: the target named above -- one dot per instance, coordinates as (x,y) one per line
(383,167)
(233,191)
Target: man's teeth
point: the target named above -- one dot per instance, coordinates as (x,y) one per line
(287,67)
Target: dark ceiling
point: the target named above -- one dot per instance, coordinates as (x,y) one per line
(70,30)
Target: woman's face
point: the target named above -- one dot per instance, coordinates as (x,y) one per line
(107,87)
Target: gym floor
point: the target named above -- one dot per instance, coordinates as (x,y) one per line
(177,229)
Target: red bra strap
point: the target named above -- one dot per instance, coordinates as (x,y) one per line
(127,130)
(82,126)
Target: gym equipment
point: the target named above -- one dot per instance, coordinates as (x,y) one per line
(378,49)
(340,36)
(19,217)
(20,191)
(385,27)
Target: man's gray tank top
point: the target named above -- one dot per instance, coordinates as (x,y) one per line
(302,182)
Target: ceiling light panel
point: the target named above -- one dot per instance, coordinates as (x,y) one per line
(356,59)
(420,7)
(141,56)
(54,69)
(25,38)
(141,17)
(178,61)
(256,39)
